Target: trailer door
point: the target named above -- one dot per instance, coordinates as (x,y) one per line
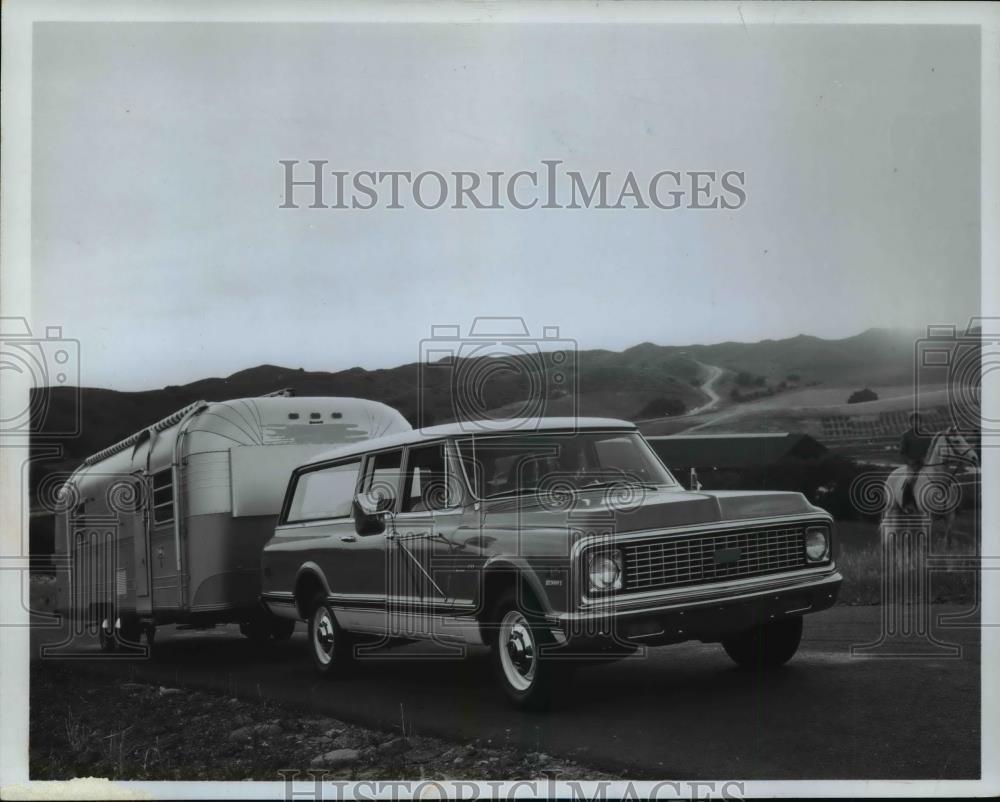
(137,523)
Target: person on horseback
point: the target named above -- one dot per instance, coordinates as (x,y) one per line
(913,449)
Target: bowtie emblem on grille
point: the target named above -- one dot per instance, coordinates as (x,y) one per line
(727,556)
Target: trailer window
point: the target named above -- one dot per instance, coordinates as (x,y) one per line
(163,497)
(324,493)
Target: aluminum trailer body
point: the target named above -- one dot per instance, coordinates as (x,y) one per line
(167,526)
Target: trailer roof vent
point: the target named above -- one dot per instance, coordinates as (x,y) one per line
(336,415)
(293,416)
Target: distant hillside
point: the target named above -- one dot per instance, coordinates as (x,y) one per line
(885,355)
(607,383)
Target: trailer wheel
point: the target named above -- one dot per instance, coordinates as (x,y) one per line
(106,634)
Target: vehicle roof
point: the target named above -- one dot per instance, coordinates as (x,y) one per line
(255,414)
(484,428)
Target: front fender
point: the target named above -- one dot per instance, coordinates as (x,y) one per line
(308,572)
(528,575)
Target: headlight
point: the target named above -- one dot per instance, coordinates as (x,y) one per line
(817,543)
(605,569)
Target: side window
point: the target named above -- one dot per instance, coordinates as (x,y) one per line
(614,451)
(382,477)
(163,497)
(429,484)
(324,493)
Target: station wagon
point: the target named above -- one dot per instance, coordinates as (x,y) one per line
(555,542)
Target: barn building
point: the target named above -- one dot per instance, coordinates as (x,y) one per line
(750,461)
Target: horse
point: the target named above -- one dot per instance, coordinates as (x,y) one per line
(935,492)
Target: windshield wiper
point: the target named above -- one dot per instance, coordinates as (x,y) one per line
(597,485)
(614,482)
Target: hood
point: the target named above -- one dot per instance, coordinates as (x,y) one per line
(645,509)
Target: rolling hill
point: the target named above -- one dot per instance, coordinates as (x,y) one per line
(598,382)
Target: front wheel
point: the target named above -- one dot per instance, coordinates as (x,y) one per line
(526,676)
(332,648)
(766,646)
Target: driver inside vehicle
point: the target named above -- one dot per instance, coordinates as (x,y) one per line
(510,465)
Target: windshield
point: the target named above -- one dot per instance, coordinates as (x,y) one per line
(524,463)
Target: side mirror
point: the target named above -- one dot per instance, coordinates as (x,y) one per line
(369,513)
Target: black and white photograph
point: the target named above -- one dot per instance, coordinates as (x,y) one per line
(499,400)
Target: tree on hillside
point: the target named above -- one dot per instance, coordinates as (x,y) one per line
(746,379)
(860,396)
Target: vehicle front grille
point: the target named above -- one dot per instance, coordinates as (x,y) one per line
(671,562)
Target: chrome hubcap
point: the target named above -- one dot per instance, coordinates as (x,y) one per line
(323,636)
(517,651)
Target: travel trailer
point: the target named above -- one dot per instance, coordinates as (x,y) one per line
(167,526)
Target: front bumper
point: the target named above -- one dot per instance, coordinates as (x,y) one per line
(706,613)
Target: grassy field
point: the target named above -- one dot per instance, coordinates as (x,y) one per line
(799,410)
(859,558)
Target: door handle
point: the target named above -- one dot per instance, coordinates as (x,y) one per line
(349,538)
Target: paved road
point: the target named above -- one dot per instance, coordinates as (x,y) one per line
(682,712)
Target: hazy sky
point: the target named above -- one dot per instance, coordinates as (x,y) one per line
(159,244)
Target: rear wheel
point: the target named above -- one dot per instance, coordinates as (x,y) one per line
(525,673)
(766,646)
(332,648)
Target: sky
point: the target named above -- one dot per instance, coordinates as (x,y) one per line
(158,241)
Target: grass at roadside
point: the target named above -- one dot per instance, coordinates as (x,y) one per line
(83,724)
(859,558)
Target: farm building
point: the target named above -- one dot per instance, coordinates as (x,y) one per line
(751,461)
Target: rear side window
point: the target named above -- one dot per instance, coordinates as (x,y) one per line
(324,493)
(382,476)
(429,484)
